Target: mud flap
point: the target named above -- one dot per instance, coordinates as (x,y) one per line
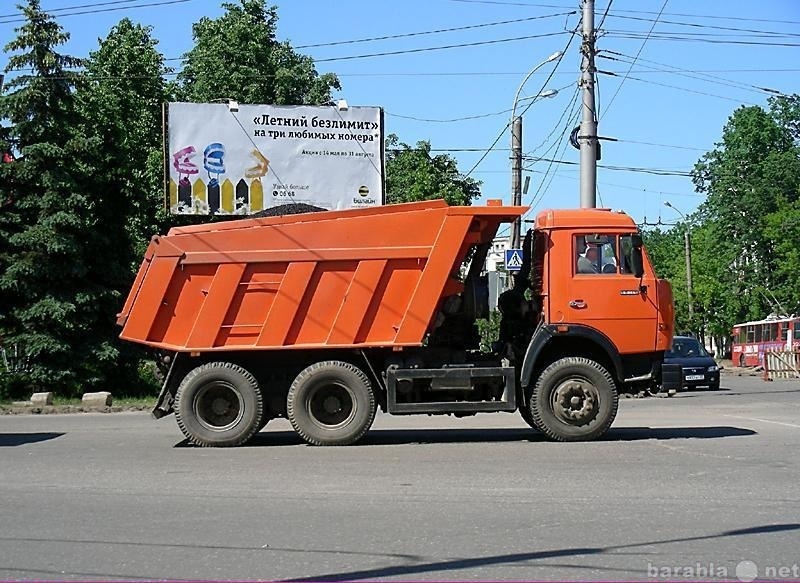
(671,377)
(166,399)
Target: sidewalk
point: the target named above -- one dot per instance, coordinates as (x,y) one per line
(740,371)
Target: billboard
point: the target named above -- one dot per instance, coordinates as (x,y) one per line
(229,159)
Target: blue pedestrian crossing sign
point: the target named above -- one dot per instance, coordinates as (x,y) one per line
(513,259)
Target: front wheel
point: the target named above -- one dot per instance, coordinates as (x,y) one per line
(527,416)
(219,404)
(574,399)
(331,403)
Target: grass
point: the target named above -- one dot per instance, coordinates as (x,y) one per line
(116,401)
(68,402)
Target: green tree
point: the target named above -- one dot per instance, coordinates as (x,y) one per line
(121,100)
(237,56)
(751,181)
(413,174)
(57,306)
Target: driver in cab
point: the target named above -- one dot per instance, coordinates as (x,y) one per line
(587,261)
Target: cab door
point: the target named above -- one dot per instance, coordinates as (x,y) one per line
(599,290)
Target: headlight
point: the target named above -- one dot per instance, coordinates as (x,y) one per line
(714,368)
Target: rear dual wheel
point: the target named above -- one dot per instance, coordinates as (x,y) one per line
(331,403)
(219,404)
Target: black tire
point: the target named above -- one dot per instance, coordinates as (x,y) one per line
(219,404)
(592,395)
(713,386)
(527,416)
(331,403)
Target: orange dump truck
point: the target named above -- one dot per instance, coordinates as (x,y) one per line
(324,317)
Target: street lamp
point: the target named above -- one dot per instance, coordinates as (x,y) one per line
(516,146)
(688,251)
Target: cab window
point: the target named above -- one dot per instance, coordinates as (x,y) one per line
(603,254)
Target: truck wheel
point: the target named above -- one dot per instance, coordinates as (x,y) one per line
(575,399)
(219,404)
(527,416)
(331,403)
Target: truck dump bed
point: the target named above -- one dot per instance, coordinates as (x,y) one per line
(353,278)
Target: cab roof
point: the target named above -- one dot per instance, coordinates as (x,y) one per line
(589,218)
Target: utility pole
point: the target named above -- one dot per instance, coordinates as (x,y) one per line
(688,252)
(687,248)
(516,177)
(587,134)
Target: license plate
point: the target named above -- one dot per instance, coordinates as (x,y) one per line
(695,377)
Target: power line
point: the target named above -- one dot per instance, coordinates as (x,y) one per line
(650,71)
(651,82)
(465,118)
(149,5)
(546,81)
(96,4)
(613,97)
(708,26)
(683,14)
(426,32)
(439,48)
(687,35)
(527,5)
(662,145)
(572,118)
(713,17)
(641,169)
(603,19)
(489,149)
(568,108)
(633,35)
(701,77)
(517,74)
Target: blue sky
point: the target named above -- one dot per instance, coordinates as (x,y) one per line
(689,76)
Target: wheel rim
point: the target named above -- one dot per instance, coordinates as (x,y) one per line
(218,406)
(331,405)
(575,401)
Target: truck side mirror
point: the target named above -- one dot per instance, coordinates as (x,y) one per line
(636,255)
(636,260)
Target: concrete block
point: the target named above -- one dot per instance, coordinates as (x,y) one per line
(101,399)
(21,403)
(42,399)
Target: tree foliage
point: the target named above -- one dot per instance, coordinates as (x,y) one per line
(121,100)
(413,174)
(746,235)
(238,56)
(55,303)
(84,193)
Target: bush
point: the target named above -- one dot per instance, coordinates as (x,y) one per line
(15,386)
(489,330)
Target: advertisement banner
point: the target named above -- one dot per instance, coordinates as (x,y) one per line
(229,159)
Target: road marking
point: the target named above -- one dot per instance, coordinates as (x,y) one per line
(764,421)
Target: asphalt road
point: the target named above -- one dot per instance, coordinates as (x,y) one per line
(690,487)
